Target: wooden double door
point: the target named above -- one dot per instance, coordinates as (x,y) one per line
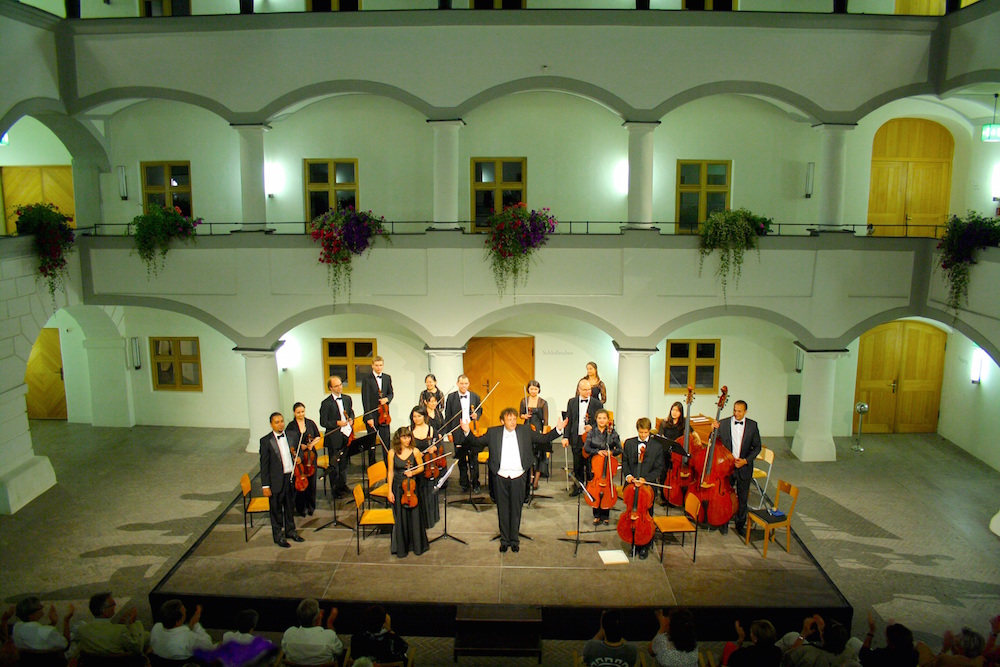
(31,185)
(900,369)
(507,361)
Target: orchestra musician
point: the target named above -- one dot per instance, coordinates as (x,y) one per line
(642,461)
(535,413)
(405,463)
(336,415)
(376,390)
(301,433)
(581,413)
(423,436)
(464,405)
(672,428)
(602,441)
(742,437)
(600,391)
(276,467)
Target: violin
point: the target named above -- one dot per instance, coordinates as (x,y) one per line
(383,411)
(306,466)
(408,490)
(432,469)
(635,525)
(603,468)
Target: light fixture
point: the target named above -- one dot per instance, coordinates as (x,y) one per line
(800,359)
(991,131)
(134,347)
(978,361)
(810,178)
(4,139)
(288,354)
(122,183)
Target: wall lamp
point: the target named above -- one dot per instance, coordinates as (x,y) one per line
(978,361)
(991,131)
(122,183)
(136,351)
(810,178)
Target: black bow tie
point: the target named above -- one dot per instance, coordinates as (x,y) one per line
(738,423)
(642,443)
(378,377)
(584,400)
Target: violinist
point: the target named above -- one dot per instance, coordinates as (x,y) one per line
(642,461)
(301,433)
(430,382)
(463,406)
(581,412)
(424,441)
(740,436)
(603,441)
(535,413)
(435,412)
(405,465)
(336,415)
(376,395)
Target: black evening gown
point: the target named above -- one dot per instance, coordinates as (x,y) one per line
(426,491)
(409,533)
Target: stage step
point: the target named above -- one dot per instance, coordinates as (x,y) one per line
(498,630)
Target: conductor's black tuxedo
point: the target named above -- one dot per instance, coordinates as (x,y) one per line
(510,491)
(576,438)
(747,449)
(273,476)
(335,441)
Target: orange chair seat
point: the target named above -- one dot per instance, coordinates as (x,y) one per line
(260,504)
(376,517)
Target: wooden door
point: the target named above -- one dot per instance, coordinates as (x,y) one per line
(920,7)
(507,361)
(46,398)
(910,185)
(31,185)
(900,370)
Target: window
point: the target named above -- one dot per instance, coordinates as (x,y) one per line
(333,5)
(167,184)
(497,4)
(702,188)
(694,363)
(496,183)
(330,184)
(165,7)
(176,364)
(349,359)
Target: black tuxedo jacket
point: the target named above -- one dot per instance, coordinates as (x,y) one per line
(271,472)
(573,415)
(651,467)
(452,407)
(329,415)
(370,397)
(750,447)
(493,438)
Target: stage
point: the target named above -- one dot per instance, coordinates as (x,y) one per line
(424,593)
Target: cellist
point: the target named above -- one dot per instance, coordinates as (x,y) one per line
(740,436)
(642,460)
(602,441)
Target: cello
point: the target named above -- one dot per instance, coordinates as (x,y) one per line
(603,468)
(679,476)
(635,525)
(714,465)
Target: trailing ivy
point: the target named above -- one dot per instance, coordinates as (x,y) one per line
(962,241)
(731,233)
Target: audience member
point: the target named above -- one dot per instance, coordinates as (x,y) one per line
(898,651)
(962,650)
(174,639)
(8,652)
(991,653)
(376,639)
(309,643)
(608,647)
(761,653)
(818,645)
(246,623)
(32,634)
(676,644)
(126,635)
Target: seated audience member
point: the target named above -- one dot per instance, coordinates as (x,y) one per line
(376,639)
(676,644)
(761,653)
(820,644)
(8,652)
(174,639)
(898,651)
(126,635)
(992,651)
(962,650)
(309,643)
(32,634)
(246,623)
(608,647)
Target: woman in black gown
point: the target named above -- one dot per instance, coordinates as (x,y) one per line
(534,412)
(300,428)
(672,428)
(409,532)
(423,437)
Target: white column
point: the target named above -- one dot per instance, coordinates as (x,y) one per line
(252,193)
(446,173)
(23,476)
(633,389)
(995,523)
(831,174)
(446,364)
(110,389)
(813,440)
(640,172)
(262,392)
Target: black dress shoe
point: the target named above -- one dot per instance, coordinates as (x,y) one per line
(574,492)
(515,547)
(465,488)
(295,538)
(741,530)
(643,553)
(503,548)
(477,489)
(310,512)
(283,544)
(724,530)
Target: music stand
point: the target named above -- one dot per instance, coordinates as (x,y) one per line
(576,538)
(471,499)
(437,487)
(531,482)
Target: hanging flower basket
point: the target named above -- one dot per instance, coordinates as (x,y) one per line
(342,234)
(962,241)
(155,230)
(731,233)
(53,241)
(515,233)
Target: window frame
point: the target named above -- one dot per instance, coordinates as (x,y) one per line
(168,10)
(177,359)
(351,383)
(166,189)
(334,7)
(497,4)
(497,186)
(331,186)
(703,189)
(692,361)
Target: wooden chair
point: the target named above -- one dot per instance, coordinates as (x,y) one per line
(369,517)
(285,662)
(48,658)
(640,662)
(377,488)
(111,660)
(683,524)
(766,519)
(766,458)
(252,505)
(706,659)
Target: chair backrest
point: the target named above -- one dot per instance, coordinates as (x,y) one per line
(48,658)
(766,455)
(359,497)
(111,660)
(692,506)
(791,490)
(376,473)
(245,483)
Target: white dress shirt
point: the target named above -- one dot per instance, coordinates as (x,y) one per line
(311,646)
(286,455)
(510,456)
(584,403)
(178,643)
(737,432)
(465,399)
(38,637)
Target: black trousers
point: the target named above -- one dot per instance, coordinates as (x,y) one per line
(510,499)
(742,493)
(282,513)
(580,467)
(467,456)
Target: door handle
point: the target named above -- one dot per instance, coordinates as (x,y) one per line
(893,385)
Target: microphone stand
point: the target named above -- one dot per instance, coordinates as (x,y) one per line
(576,534)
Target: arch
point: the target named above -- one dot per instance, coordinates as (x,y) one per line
(93,321)
(290,323)
(156,93)
(317,91)
(782,321)
(810,109)
(505,312)
(79,140)
(176,307)
(582,89)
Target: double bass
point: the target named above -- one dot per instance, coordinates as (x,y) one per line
(714,465)
(635,525)
(602,469)
(679,476)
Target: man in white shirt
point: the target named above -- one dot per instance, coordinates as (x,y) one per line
(276,466)
(172,638)
(742,437)
(32,634)
(309,643)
